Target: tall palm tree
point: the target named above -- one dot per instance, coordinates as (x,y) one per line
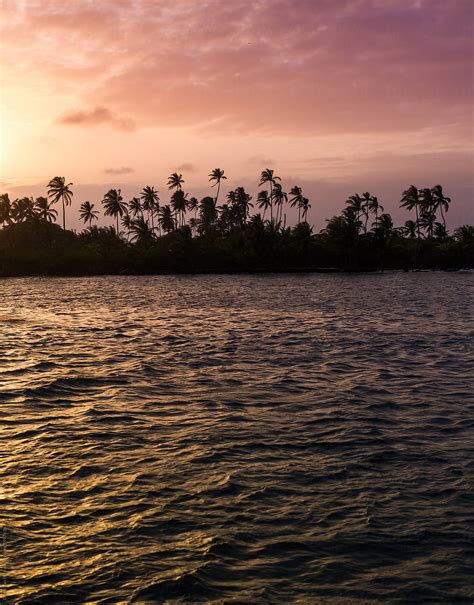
(44,211)
(440,201)
(166,219)
(374,206)
(356,203)
(179,204)
(175,181)
(59,190)
(280,197)
(150,202)
(297,199)
(135,206)
(88,214)
(411,199)
(5,209)
(217,175)
(114,205)
(267,176)
(263,201)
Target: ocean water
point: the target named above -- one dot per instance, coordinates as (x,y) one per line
(237,439)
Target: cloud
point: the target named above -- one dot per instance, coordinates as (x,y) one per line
(119,171)
(95,117)
(186,167)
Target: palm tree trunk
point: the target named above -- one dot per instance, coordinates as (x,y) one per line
(218,189)
(64,216)
(271,202)
(417,222)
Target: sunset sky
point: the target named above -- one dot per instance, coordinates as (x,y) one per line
(337,96)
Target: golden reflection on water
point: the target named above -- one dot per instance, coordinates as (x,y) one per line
(259,438)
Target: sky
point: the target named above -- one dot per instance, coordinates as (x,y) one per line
(336,96)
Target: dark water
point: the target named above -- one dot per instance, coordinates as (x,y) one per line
(267,439)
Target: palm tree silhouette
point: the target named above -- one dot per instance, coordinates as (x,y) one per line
(114,205)
(263,201)
(135,206)
(44,211)
(150,203)
(411,199)
(5,209)
(179,204)
(409,229)
(217,175)
(355,202)
(280,197)
(175,181)
(141,231)
(166,219)
(440,201)
(297,199)
(88,214)
(374,206)
(267,176)
(59,190)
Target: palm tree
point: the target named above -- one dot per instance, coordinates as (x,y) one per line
(59,190)
(217,175)
(355,202)
(141,231)
(409,229)
(23,209)
(135,206)
(297,199)
(263,201)
(151,203)
(279,196)
(5,209)
(88,214)
(178,203)
(166,219)
(427,221)
(44,211)
(242,205)
(440,201)
(267,176)
(411,199)
(374,206)
(114,205)
(306,207)
(175,181)
(366,197)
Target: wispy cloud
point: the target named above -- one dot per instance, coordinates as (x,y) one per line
(119,171)
(94,117)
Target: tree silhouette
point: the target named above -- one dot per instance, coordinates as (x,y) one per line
(297,199)
(88,214)
(263,201)
(440,201)
(267,176)
(410,200)
(114,205)
(59,190)
(166,219)
(5,209)
(44,211)
(217,175)
(150,203)
(175,181)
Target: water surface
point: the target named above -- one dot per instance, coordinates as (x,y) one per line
(247,439)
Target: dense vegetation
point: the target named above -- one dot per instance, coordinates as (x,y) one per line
(187,235)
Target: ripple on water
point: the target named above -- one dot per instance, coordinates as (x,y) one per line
(238,439)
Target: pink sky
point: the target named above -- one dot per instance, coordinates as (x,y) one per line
(337,96)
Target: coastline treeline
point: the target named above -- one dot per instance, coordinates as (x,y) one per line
(226,234)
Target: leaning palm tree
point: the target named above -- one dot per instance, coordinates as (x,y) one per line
(411,199)
(297,199)
(166,219)
(44,211)
(175,181)
(88,214)
(217,175)
(114,205)
(267,176)
(59,190)
(440,201)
